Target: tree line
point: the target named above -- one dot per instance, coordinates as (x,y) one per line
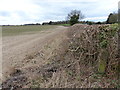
(75,16)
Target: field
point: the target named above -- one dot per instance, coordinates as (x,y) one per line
(18,30)
(21,43)
(60,56)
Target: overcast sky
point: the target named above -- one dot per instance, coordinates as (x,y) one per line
(38,11)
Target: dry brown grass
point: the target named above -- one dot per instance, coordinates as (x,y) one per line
(77,66)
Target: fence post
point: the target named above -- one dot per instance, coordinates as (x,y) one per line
(103,58)
(119,41)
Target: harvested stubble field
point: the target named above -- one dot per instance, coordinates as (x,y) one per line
(81,56)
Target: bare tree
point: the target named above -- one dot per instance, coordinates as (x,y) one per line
(74,16)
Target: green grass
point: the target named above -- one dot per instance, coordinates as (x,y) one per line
(114,26)
(18,30)
(65,24)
